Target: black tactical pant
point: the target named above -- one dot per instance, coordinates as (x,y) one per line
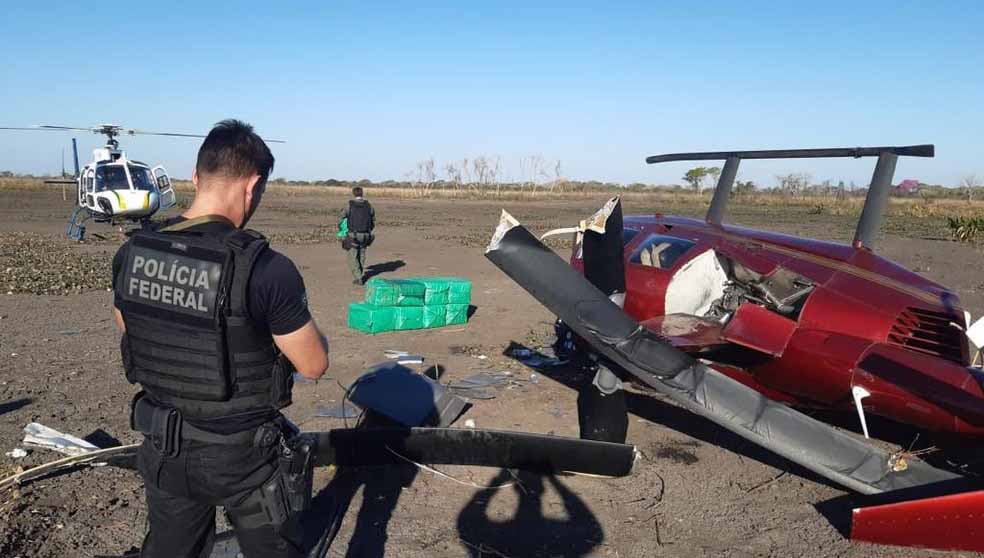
(183,492)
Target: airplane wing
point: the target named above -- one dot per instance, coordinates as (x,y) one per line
(831,453)
(951,522)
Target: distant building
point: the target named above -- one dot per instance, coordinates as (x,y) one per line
(907,187)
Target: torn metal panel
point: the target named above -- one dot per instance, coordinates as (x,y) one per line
(467,446)
(603,249)
(408,398)
(951,522)
(41,436)
(829,452)
(344,409)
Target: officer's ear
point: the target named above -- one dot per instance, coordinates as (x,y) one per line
(254,189)
(194,178)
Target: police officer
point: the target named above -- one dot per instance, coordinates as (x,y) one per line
(361,222)
(214,324)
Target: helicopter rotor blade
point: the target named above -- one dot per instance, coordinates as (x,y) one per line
(48,127)
(116,130)
(175,134)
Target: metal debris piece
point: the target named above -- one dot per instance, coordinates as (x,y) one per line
(403,357)
(344,409)
(481,385)
(41,436)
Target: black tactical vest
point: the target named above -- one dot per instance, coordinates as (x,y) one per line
(359,219)
(189,340)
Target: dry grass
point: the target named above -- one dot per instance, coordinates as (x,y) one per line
(667,201)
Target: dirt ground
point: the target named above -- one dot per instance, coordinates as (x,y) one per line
(695,491)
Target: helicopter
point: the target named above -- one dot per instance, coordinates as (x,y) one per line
(113,188)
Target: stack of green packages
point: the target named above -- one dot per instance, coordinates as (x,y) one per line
(414,303)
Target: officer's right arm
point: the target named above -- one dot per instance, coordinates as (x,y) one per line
(307,350)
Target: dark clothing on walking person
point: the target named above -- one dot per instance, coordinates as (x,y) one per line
(361,222)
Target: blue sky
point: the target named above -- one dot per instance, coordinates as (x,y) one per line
(367,89)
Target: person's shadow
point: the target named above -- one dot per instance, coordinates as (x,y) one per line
(528,532)
(384,267)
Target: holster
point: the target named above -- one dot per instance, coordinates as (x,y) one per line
(288,491)
(161,425)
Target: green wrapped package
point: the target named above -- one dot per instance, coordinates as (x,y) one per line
(446,290)
(459,291)
(435,291)
(371,319)
(408,317)
(457,314)
(435,316)
(342,229)
(394,292)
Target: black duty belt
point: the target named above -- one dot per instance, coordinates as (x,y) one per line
(166,429)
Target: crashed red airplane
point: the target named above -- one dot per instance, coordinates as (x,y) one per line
(740,326)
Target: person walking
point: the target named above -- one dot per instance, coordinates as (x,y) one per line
(215,323)
(361,222)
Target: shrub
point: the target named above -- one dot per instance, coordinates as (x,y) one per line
(965,229)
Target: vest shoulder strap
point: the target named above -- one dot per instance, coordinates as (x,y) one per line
(246,246)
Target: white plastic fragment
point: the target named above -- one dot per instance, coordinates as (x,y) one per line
(16,453)
(469,423)
(41,436)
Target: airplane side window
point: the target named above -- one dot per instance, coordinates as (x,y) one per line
(660,251)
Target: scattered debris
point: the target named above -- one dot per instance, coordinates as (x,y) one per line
(66,463)
(41,436)
(16,453)
(344,409)
(470,423)
(481,385)
(403,357)
(543,358)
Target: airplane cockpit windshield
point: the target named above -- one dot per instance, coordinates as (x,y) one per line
(111,177)
(142,178)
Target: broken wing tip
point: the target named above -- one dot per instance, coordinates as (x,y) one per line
(506,223)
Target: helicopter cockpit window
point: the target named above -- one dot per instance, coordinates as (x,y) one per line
(660,251)
(111,177)
(142,178)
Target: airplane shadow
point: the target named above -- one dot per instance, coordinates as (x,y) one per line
(384,267)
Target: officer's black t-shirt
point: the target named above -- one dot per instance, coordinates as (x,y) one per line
(277,299)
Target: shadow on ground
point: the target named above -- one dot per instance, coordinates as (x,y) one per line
(385,267)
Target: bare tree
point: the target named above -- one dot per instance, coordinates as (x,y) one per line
(793,183)
(558,179)
(970,182)
(531,169)
(454,176)
(426,176)
(496,176)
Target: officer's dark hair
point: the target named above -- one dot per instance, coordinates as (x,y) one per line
(357,191)
(232,149)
